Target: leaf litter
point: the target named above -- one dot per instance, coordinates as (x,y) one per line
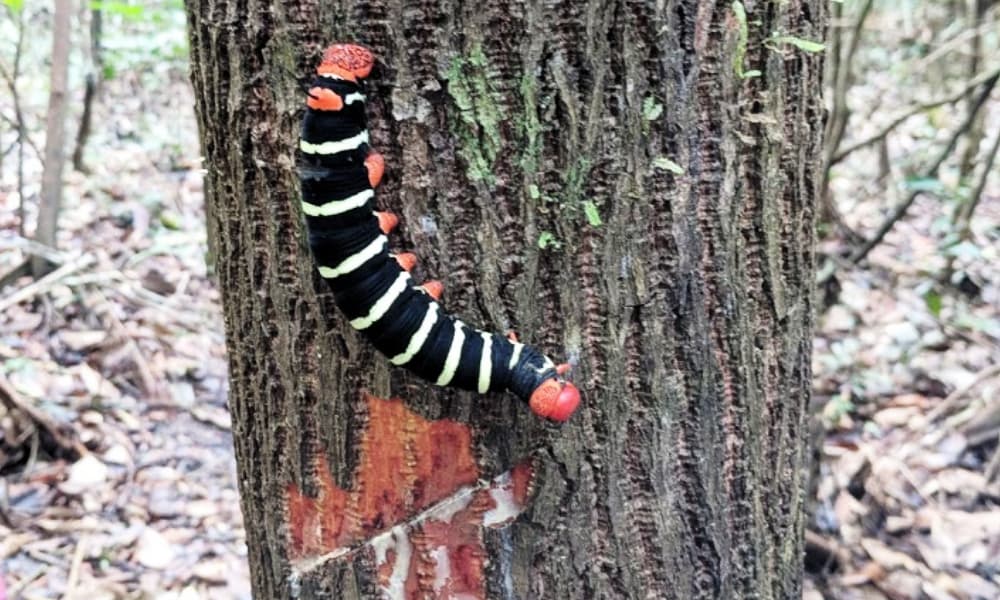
(906,494)
(115,444)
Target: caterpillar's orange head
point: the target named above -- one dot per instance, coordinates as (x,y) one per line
(555,400)
(347,61)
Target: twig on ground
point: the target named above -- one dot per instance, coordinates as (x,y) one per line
(10,397)
(828,551)
(74,568)
(46,282)
(15,590)
(931,172)
(949,403)
(147,381)
(29,246)
(194,318)
(993,468)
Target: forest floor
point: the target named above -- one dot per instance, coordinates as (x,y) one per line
(121,351)
(907,391)
(907,367)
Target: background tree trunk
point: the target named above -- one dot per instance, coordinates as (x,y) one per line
(684,298)
(55,135)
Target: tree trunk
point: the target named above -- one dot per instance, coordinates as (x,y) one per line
(55,135)
(675,203)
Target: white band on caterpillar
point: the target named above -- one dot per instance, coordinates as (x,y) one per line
(382,305)
(419,338)
(336,207)
(351,143)
(355,261)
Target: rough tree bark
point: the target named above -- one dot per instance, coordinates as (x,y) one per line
(675,200)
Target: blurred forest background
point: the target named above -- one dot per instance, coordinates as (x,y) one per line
(118,475)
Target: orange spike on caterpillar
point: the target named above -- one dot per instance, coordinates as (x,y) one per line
(434,288)
(387,221)
(406,260)
(375,164)
(324,99)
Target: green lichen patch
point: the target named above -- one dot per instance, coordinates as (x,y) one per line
(477,120)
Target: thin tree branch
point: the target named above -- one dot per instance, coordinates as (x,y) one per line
(92,86)
(22,132)
(16,124)
(965,215)
(840,113)
(916,110)
(931,172)
(925,61)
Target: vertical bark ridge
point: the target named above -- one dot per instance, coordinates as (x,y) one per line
(502,50)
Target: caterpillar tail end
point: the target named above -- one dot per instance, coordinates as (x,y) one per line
(347,61)
(555,400)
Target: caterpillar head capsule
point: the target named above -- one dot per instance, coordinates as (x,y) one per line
(555,400)
(347,61)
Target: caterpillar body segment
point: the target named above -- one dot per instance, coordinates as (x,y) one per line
(372,286)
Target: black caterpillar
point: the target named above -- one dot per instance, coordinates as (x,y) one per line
(373,288)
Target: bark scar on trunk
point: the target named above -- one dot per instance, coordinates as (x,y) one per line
(417,507)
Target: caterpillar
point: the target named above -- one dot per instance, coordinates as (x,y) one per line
(372,287)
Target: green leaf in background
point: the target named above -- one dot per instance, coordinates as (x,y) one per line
(533,192)
(651,109)
(124,9)
(14,5)
(171,220)
(665,164)
(932,300)
(546,239)
(924,184)
(751,74)
(964,249)
(593,216)
(801,44)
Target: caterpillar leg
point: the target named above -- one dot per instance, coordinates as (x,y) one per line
(434,288)
(387,221)
(512,336)
(563,368)
(375,163)
(406,260)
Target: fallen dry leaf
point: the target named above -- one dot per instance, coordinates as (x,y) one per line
(153,550)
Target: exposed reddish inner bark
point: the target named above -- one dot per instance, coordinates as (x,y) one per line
(414,502)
